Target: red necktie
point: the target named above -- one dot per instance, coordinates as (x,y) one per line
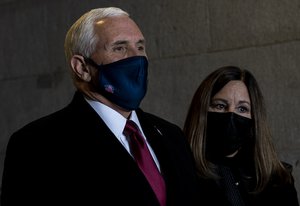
(142,156)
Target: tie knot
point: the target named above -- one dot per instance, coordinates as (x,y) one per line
(130,128)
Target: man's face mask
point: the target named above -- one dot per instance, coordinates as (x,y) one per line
(226,133)
(123,82)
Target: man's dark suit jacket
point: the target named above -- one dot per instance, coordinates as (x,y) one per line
(72,158)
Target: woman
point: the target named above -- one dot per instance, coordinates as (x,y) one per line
(227,128)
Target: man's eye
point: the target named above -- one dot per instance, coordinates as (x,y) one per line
(119,49)
(141,48)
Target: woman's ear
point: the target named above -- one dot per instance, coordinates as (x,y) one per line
(80,68)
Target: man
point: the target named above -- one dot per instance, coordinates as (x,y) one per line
(81,154)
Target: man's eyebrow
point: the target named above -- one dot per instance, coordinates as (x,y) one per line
(141,41)
(119,42)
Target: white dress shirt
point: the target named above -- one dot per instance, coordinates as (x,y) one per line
(116,123)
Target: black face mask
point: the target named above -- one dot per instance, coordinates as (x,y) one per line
(226,133)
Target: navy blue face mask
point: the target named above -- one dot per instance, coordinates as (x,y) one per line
(123,82)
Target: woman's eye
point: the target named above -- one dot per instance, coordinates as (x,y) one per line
(218,106)
(243,109)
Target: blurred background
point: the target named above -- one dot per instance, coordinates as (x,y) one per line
(186,40)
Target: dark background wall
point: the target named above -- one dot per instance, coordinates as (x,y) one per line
(186,40)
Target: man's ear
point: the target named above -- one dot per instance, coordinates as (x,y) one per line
(80,68)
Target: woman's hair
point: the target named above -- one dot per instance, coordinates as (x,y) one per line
(266,161)
(81,38)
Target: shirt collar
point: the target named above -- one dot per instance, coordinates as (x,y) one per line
(113,119)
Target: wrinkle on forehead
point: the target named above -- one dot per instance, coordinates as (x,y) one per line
(234,92)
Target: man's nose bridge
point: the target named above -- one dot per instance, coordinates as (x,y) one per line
(132,51)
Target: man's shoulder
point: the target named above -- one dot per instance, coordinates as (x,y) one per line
(59,118)
(149,120)
(41,124)
(154,119)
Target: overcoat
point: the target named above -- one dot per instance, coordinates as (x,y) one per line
(71,157)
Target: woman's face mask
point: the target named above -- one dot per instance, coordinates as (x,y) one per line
(226,133)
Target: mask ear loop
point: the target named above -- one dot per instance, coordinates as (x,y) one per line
(89,61)
(92,63)
(79,68)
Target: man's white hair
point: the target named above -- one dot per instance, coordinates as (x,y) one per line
(81,38)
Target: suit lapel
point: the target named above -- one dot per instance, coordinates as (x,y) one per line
(157,138)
